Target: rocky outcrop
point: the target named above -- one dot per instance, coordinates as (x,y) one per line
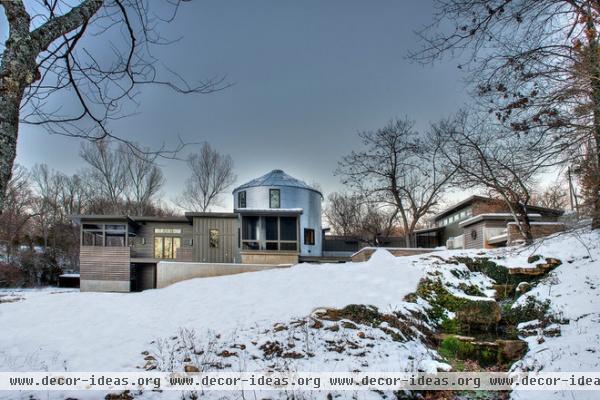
(485,351)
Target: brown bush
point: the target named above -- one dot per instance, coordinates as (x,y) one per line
(10,275)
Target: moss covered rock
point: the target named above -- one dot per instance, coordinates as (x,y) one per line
(510,350)
(478,315)
(471,314)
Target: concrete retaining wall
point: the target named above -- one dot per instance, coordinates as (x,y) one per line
(93,285)
(269,257)
(365,253)
(168,272)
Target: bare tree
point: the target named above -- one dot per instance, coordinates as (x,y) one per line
(74,196)
(92,56)
(500,162)
(344,213)
(107,170)
(18,210)
(48,212)
(535,66)
(144,178)
(212,174)
(401,168)
(555,195)
(352,215)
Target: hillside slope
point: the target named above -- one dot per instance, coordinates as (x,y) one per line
(297,318)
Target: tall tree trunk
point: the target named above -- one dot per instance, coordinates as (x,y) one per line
(596,142)
(526,225)
(594,72)
(17,70)
(10,101)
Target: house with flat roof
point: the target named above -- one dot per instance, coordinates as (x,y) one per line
(484,222)
(276,220)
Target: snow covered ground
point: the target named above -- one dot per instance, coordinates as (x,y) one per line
(59,330)
(574,292)
(107,332)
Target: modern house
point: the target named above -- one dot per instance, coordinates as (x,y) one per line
(276,220)
(483,222)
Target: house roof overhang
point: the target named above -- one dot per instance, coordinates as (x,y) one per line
(78,219)
(428,230)
(461,204)
(471,199)
(494,217)
(210,215)
(292,212)
(135,221)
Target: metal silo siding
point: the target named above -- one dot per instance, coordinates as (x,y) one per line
(257,197)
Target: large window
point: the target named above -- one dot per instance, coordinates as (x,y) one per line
(166,242)
(115,235)
(166,246)
(242,199)
(456,217)
(274,198)
(110,235)
(92,235)
(250,233)
(269,233)
(309,237)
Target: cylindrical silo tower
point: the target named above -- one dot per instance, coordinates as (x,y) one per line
(278,214)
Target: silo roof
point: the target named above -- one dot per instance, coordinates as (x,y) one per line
(276,178)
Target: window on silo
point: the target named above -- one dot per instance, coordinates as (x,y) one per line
(242,199)
(309,237)
(274,198)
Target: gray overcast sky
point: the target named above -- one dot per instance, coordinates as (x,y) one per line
(308,76)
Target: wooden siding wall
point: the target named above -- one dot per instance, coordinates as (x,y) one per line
(476,243)
(227,249)
(185,253)
(146,231)
(479,227)
(105,263)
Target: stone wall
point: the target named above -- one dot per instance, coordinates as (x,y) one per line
(538,230)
